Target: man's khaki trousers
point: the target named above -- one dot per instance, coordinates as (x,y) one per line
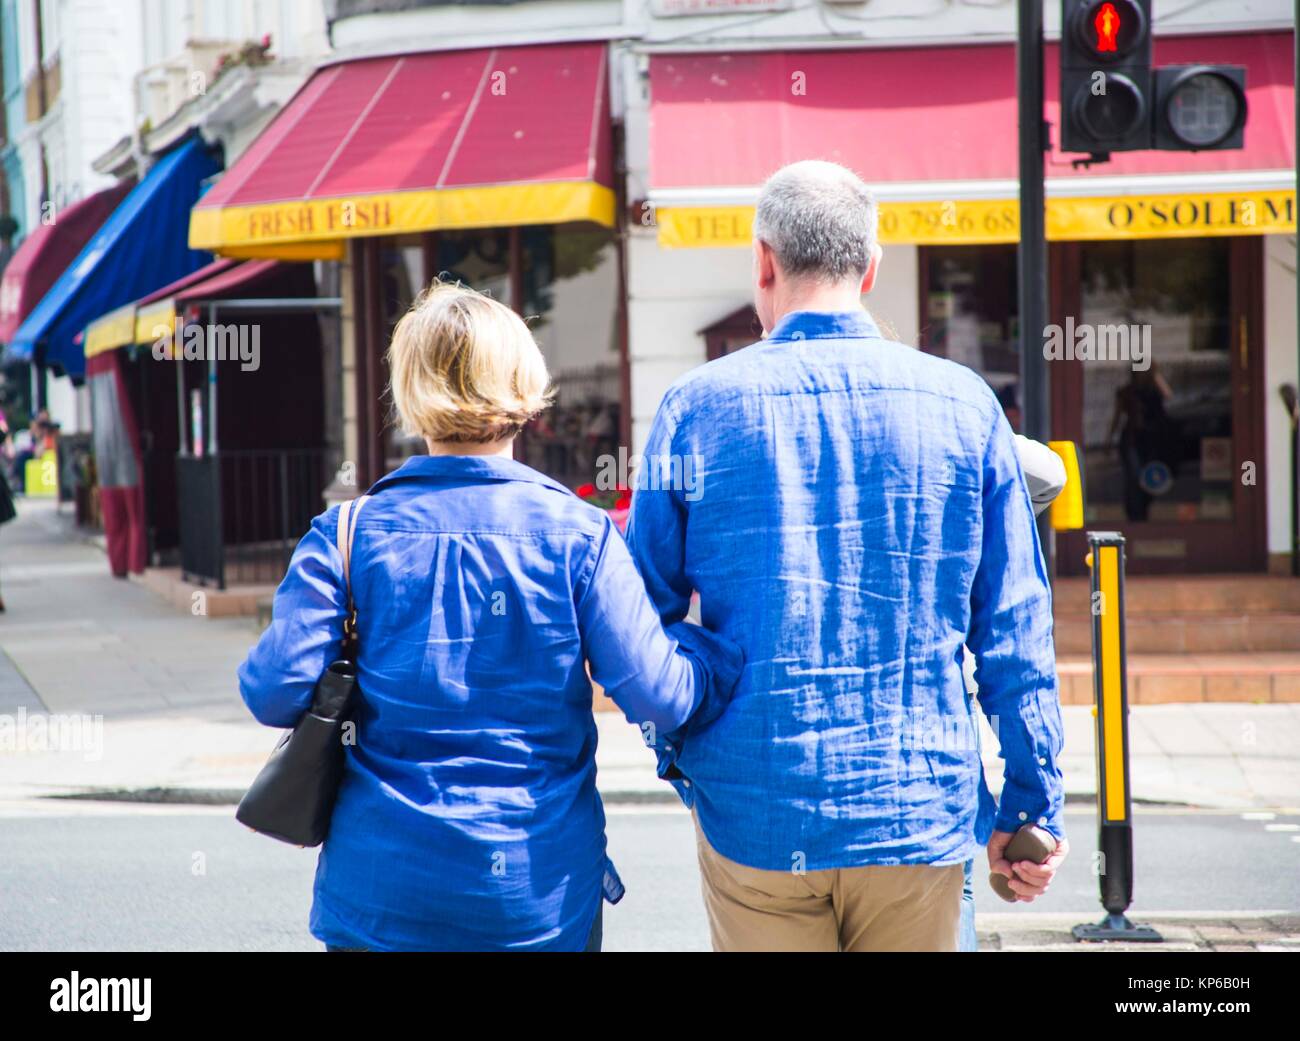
(874,908)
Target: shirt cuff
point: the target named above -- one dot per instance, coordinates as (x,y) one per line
(719,665)
(1018,806)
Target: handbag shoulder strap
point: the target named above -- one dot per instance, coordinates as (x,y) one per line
(347,529)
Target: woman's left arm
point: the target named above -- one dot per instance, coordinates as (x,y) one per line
(279,676)
(665,679)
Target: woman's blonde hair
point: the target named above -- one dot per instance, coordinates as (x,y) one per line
(464,367)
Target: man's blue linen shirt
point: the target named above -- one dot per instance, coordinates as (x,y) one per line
(855,511)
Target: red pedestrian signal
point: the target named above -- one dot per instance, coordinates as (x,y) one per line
(1107,24)
(1105,75)
(1114,100)
(1108,30)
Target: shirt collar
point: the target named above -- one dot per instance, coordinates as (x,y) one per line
(466,467)
(826,325)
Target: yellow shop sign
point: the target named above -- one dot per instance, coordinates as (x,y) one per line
(983,221)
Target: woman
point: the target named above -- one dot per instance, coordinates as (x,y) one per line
(468,817)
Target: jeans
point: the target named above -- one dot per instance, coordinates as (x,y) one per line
(966,940)
(593,940)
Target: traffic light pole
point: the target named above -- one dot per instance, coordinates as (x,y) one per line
(1031,259)
(1291,404)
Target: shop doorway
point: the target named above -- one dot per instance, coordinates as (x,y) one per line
(1158,377)
(1172,434)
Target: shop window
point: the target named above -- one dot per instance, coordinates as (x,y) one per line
(1158,430)
(570,301)
(567,280)
(478,259)
(970,314)
(401,277)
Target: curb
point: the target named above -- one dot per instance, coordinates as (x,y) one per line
(232,796)
(659,795)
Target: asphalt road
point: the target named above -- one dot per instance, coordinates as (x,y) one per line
(122,877)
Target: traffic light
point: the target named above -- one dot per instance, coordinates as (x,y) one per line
(1200,107)
(1105,75)
(1112,100)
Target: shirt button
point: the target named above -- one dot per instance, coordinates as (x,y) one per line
(686,784)
(668,748)
(1024,816)
(1042,821)
(1042,760)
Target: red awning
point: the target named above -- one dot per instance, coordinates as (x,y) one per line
(149,317)
(416,142)
(208,272)
(932,124)
(239,280)
(135,322)
(47,250)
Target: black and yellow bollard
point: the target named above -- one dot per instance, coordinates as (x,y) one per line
(1110,686)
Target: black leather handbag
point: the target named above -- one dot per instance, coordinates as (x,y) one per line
(293,796)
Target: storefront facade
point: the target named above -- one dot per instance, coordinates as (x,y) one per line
(1172,274)
(504,182)
(603,185)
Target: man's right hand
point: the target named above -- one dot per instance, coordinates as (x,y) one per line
(1025,878)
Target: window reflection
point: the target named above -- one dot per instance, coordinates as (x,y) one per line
(971,315)
(1158,440)
(569,284)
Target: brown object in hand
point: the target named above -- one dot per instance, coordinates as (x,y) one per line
(1030,842)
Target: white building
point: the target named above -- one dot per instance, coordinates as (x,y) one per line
(121,80)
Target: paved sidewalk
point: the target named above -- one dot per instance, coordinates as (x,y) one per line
(159,686)
(1192,931)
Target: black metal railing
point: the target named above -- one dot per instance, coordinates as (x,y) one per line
(243,512)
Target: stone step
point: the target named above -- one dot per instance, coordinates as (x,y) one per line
(1157,679)
(1191,632)
(1190,595)
(204,601)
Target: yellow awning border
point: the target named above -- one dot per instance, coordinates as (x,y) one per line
(274,229)
(110,331)
(325,250)
(161,313)
(129,325)
(990,221)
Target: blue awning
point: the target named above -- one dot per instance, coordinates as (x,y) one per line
(142,246)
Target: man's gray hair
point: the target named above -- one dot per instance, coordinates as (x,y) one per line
(820,220)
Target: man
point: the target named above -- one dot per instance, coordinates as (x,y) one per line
(856,514)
